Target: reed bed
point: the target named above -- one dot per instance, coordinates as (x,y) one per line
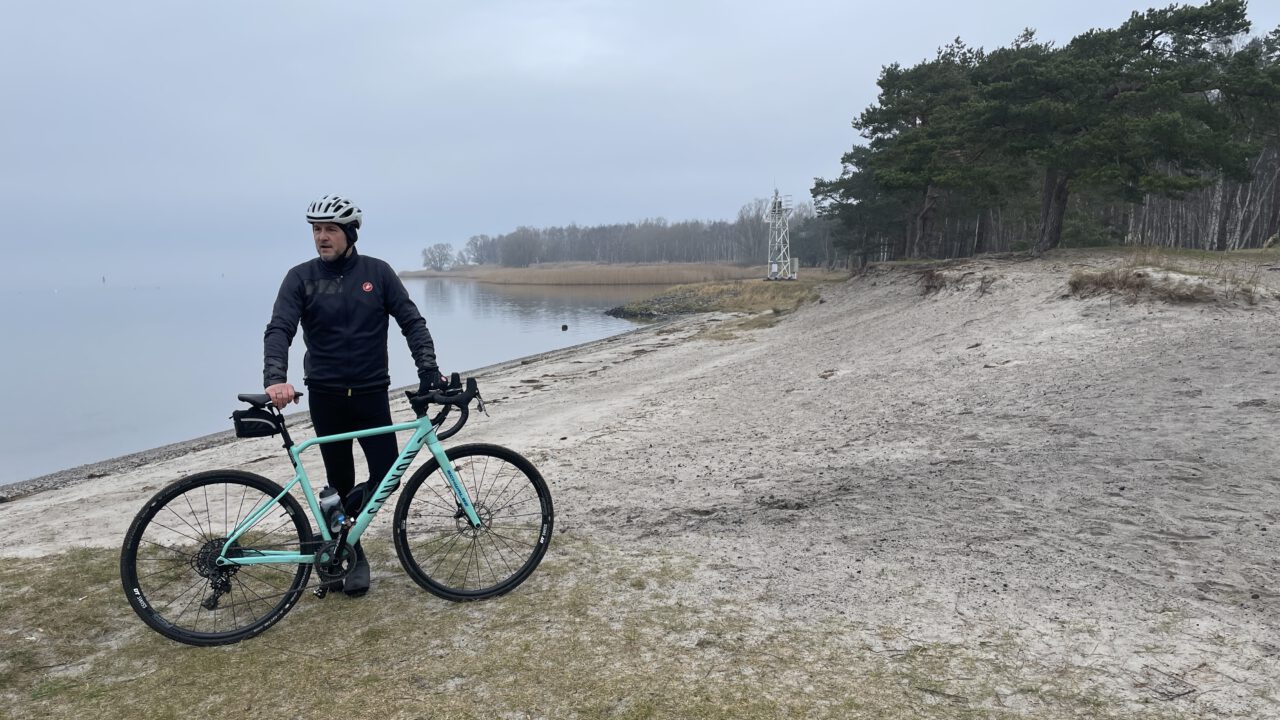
(598,273)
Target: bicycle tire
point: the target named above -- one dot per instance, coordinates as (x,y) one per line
(440,550)
(166,562)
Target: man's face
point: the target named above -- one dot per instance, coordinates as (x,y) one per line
(331,242)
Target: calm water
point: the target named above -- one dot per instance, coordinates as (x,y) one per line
(93,373)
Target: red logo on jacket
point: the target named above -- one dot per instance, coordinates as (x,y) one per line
(367,287)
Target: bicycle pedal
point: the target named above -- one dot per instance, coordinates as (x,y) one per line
(320,592)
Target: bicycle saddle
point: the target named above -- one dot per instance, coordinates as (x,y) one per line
(258,400)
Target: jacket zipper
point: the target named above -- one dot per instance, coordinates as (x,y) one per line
(346,310)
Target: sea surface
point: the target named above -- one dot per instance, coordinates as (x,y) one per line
(92,373)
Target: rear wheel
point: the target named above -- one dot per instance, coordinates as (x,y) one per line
(169,569)
(437,544)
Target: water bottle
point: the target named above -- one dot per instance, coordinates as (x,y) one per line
(331,508)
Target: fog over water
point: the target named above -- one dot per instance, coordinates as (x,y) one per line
(97,372)
(190,137)
(156,160)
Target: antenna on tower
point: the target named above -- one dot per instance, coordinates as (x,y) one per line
(781,265)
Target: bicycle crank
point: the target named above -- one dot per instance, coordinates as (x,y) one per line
(333,561)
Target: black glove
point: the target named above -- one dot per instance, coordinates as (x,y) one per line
(429,380)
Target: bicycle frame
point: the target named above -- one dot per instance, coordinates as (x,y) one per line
(424,434)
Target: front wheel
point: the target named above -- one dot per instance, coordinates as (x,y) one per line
(169,567)
(444,553)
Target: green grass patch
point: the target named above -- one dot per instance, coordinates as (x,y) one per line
(600,631)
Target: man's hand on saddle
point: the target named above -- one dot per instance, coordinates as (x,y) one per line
(281,394)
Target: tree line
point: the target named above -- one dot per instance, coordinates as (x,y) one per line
(742,241)
(1163,131)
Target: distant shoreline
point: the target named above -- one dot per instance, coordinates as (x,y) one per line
(581,273)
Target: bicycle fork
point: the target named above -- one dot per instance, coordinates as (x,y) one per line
(466,509)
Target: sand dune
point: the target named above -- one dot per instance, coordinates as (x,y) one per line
(1095,478)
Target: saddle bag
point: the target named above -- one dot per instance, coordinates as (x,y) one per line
(255,422)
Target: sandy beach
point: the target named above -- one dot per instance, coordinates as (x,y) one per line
(1094,481)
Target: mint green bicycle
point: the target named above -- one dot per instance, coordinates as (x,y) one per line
(220,556)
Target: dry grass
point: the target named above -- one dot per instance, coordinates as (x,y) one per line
(740,296)
(752,296)
(1133,283)
(761,303)
(597,632)
(1180,276)
(598,273)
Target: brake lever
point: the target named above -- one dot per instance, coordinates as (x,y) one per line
(480,403)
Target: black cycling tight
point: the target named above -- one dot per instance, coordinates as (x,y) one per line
(332,414)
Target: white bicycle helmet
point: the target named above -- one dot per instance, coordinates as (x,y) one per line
(334,209)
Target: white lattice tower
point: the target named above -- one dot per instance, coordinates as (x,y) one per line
(778,215)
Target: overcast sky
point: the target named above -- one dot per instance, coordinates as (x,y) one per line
(149,140)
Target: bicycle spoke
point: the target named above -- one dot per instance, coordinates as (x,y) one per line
(441,498)
(450,557)
(170,563)
(200,536)
(207,513)
(198,527)
(244,586)
(195,599)
(169,548)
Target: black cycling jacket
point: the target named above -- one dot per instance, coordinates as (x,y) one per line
(343,307)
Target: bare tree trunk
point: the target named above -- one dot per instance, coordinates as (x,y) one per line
(1272,228)
(980,234)
(1257,210)
(1221,211)
(1243,198)
(1053,205)
(1145,227)
(923,222)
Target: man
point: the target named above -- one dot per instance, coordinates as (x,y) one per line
(343,300)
